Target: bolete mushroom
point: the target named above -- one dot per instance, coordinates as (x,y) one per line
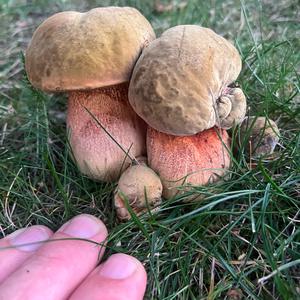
(141,187)
(91,56)
(261,134)
(190,160)
(181,83)
(182,87)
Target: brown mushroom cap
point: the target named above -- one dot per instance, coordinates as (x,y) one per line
(179,77)
(141,186)
(77,51)
(190,160)
(262,133)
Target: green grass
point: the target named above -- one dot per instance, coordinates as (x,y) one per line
(243,238)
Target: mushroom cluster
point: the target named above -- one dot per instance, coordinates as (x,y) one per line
(181,87)
(170,98)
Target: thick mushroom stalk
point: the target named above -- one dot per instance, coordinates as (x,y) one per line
(231,108)
(182,162)
(97,154)
(141,187)
(261,134)
(91,56)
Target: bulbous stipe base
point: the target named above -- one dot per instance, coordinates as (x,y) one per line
(95,152)
(191,160)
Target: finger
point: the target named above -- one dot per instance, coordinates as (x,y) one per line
(12,258)
(59,266)
(121,277)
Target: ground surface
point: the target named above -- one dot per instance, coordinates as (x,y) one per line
(242,241)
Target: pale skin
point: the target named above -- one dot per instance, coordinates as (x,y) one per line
(67,269)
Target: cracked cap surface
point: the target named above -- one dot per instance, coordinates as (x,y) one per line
(179,77)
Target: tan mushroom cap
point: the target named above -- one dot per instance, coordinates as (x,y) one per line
(141,187)
(262,135)
(77,51)
(179,77)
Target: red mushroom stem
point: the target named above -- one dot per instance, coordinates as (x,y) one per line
(100,151)
(188,160)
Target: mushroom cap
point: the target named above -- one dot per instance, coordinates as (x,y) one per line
(179,77)
(77,51)
(191,160)
(141,186)
(262,134)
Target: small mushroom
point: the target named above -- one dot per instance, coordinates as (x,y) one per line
(185,76)
(141,187)
(191,160)
(262,135)
(91,56)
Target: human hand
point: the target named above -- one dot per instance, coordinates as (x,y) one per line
(67,269)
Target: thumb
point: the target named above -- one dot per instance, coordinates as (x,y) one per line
(121,277)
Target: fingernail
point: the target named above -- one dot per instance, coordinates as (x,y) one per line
(83,226)
(118,266)
(31,238)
